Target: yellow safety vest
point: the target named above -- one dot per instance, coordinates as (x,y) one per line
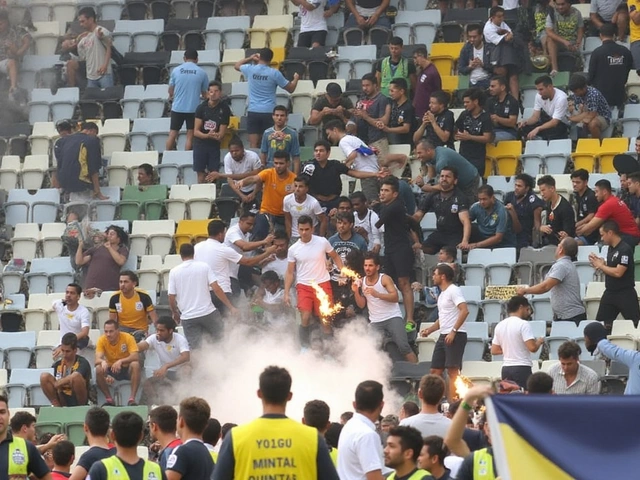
(18,459)
(483,465)
(274,448)
(386,74)
(116,471)
(417,475)
(214,455)
(333,453)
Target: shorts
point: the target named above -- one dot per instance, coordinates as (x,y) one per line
(449,356)
(437,240)
(306,39)
(69,400)
(307,300)
(122,375)
(206,156)
(602,122)
(4,65)
(258,122)
(517,373)
(395,328)
(178,119)
(137,333)
(382,146)
(398,263)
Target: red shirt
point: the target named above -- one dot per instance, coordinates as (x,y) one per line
(615,209)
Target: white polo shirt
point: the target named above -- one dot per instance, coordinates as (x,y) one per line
(220,258)
(190,283)
(168,352)
(360,449)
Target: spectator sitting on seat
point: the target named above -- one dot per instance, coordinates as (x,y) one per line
(395,66)
(399,130)
(263,83)
(131,307)
(610,12)
(428,82)
(493,227)
(146,175)
(63,457)
(70,385)
(475,58)
(78,163)
(436,125)
(586,205)
(280,138)
(14,43)
(94,48)
(104,260)
(570,377)
(117,358)
(565,30)
(474,129)
(634,192)
(503,109)
(549,119)
(525,209)
(588,108)
(506,57)
(365,14)
(313,25)
(72,317)
(333,105)
(560,220)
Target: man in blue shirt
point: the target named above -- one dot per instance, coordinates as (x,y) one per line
(187,86)
(263,83)
(493,228)
(282,138)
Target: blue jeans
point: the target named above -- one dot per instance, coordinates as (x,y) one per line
(104,81)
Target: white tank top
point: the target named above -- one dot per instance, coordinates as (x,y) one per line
(380,310)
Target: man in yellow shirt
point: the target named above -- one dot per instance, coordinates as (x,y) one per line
(117,358)
(132,308)
(276,183)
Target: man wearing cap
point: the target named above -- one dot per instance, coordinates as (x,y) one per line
(332,106)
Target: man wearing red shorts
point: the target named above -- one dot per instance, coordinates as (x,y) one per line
(307,262)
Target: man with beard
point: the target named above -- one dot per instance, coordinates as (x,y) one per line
(525,209)
(401,453)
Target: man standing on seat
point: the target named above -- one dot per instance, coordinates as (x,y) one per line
(95,49)
(263,83)
(188,84)
(210,127)
(380,295)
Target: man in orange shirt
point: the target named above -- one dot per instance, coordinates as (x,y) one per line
(276,183)
(117,358)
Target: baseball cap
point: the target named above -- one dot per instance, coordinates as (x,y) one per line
(334,90)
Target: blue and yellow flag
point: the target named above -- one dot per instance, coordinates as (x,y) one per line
(562,437)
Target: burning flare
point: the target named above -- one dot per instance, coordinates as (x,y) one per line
(462,384)
(347,272)
(326,309)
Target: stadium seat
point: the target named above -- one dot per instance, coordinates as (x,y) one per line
(139,35)
(34,170)
(131,101)
(10,169)
(444,56)
(119,169)
(138,201)
(154,100)
(532,159)
(24,387)
(592,298)
(610,148)
(17,348)
(102,102)
(51,235)
(45,37)
(555,159)
(450,83)
(113,134)
(226,32)
(586,153)
(630,121)
(173,162)
(183,33)
(40,207)
(45,106)
(505,156)
(354,61)
(47,340)
(239,97)
(270,30)
(190,202)
(149,273)
(228,73)
(149,132)
(417,26)
(477,338)
(190,231)
(501,184)
(156,236)
(44,273)
(473,295)
(480,372)
(41,138)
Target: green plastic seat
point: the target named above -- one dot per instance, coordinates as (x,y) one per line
(138,200)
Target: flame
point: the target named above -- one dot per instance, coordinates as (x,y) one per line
(347,272)
(326,309)
(462,384)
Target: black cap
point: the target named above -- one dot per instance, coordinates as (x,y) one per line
(334,90)
(626,164)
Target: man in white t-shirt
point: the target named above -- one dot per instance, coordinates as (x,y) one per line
(300,203)
(365,222)
(513,338)
(238,164)
(359,156)
(452,313)
(221,259)
(173,354)
(238,237)
(190,300)
(72,317)
(549,120)
(308,263)
(278,262)
(430,421)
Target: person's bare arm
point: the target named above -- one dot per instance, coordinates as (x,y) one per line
(81,259)
(324,223)
(496,349)
(255,260)
(292,85)
(117,257)
(288,282)
(143,346)
(223,297)
(253,58)
(173,306)
(554,36)
(253,179)
(250,246)
(490,242)
(79,473)
(534,344)
(532,120)
(197,126)
(172,475)
(594,224)
(585,220)
(360,174)
(595,20)
(153,317)
(113,316)
(453,438)
(540,288)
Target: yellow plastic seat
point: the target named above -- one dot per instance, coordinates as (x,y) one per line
(586,153)
(270,30)
(444,56)
(191,231)
(610,148)
(230,56)
(449,83)
(505,155)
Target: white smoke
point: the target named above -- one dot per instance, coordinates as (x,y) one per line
(226,374)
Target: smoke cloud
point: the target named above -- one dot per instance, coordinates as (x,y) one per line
(226,374)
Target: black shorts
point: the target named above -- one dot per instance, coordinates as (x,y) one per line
(69,400)
(519,374)
(398,263)
(306,39)
(437,240)
(449,356)
(178,119)
(122,375)
(259,122)
(206,156)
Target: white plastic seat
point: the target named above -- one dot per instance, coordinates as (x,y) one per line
(122,163)
(173,163)
(34,170)
(131,101)
(41,137)
(45,37)
(10,170)
(47,340)
(226,32)
(25,241)
(149,273)
(25,382)
(17,347)
(355,61)
(156,234)
(113,134)
(155,100)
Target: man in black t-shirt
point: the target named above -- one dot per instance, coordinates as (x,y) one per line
(332,106)
(400,128)
(70,385)
(438,123)
(620,295)
(211,122)
(398,257)
(586,205)
(560,221)
(325,184)
(503,109)
(474,129)
(191,460)
(525,208)
(453,225)
(96,427)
